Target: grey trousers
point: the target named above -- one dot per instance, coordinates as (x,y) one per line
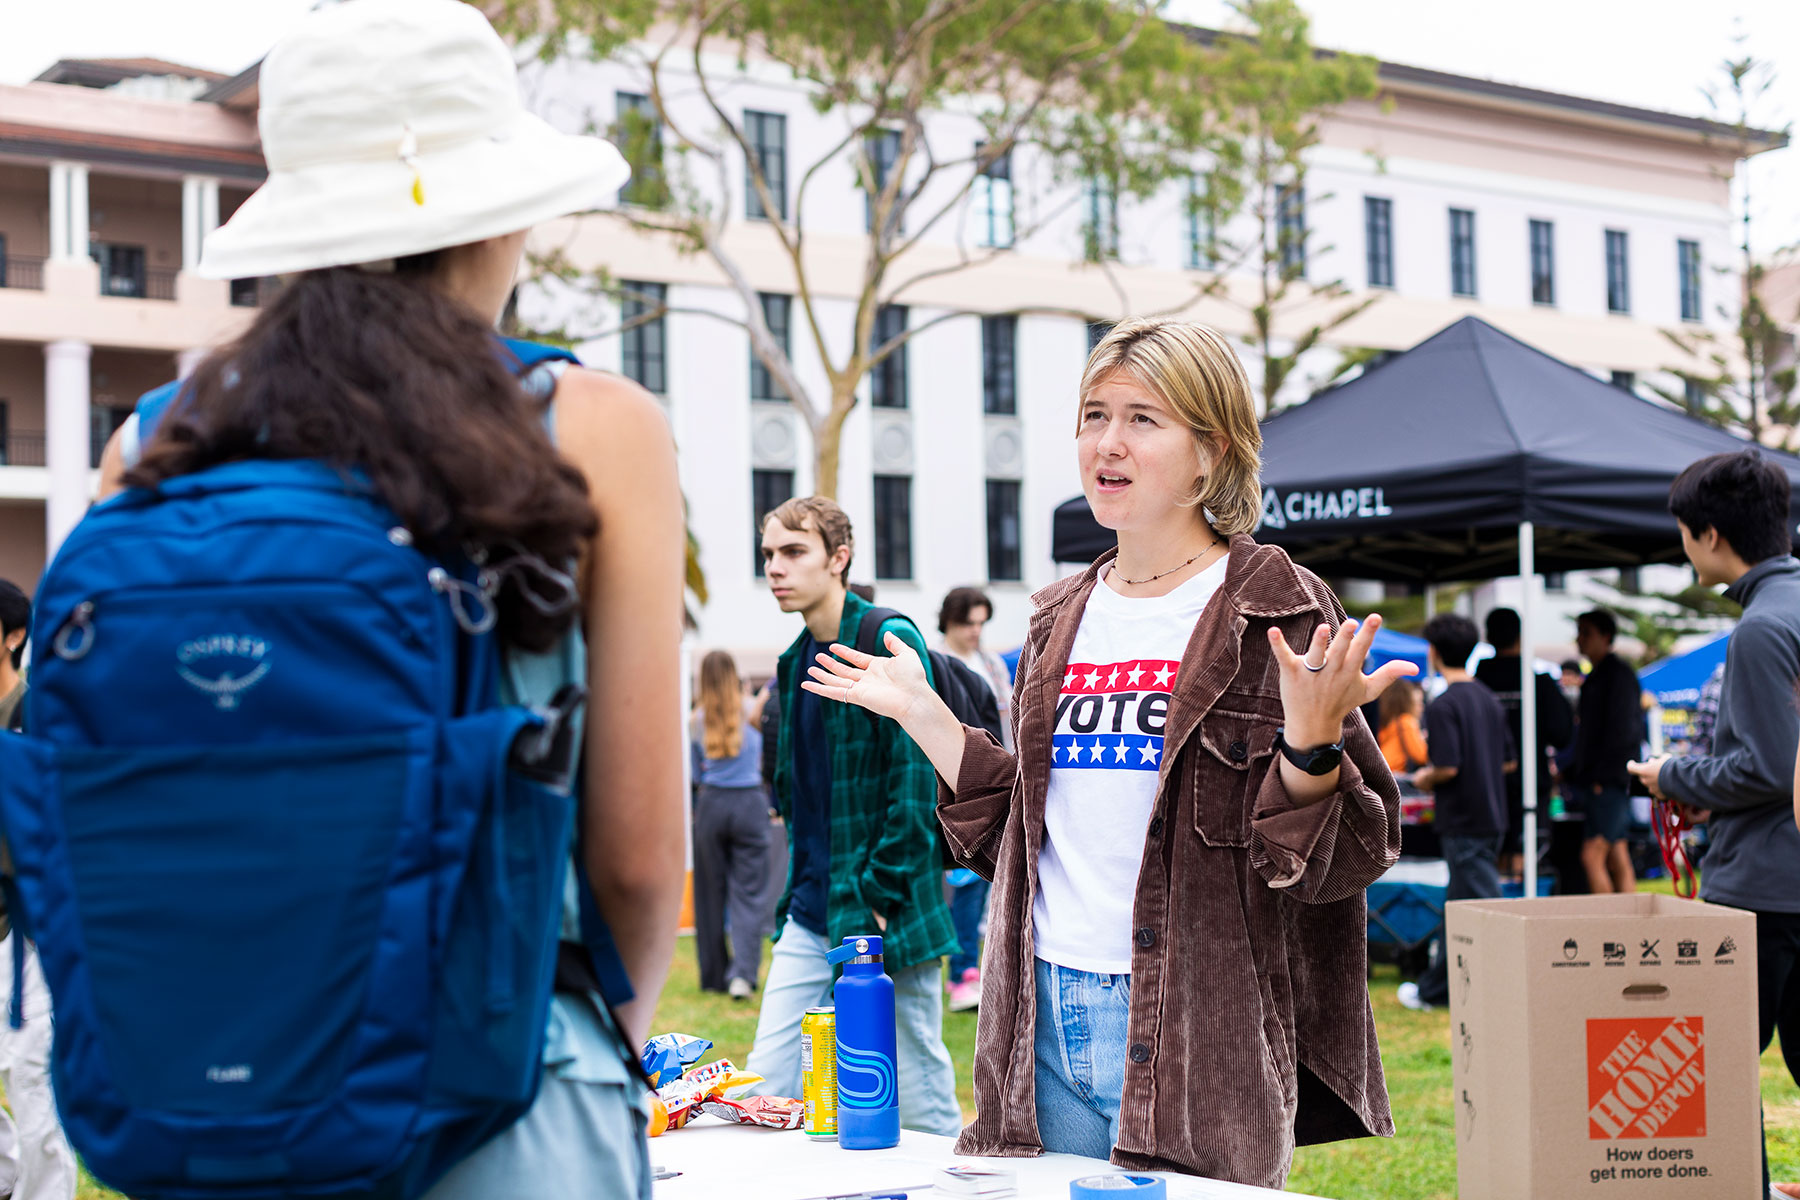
(732,837)
(1474,875)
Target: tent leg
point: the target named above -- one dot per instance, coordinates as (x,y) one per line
(1529,752)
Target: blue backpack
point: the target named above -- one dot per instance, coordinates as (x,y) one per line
(294,872)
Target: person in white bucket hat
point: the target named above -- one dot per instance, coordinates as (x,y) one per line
(403,176)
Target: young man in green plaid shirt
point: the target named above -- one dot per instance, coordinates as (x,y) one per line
(860,802)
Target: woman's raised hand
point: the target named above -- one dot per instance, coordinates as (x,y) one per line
(1325,684)
(888,687)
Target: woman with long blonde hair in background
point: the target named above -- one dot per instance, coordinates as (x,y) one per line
(731,832)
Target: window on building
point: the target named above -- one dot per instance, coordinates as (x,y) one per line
(1625,379)
(994,201)
(1693,393)
(999,365)
(103,422)
(639,137)
(1631,581)
(1556,582)
(1097,331)
(776,311)
(1543,262)
(883,149)
(769,490)
(767,135)
(122,269)
(1687,255)
(1100,219)
(887,380)
(893,527)
(1618,272)
(1378,238)
(1290,225)
(1462,252)
(643,336)
(5,433)
(1004,557)
(1202,229)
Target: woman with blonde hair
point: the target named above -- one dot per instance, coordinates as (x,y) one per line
(1180,843)
(732,841)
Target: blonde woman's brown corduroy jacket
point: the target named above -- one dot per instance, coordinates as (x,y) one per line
(1250,1028)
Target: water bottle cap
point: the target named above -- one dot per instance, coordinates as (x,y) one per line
(861,948)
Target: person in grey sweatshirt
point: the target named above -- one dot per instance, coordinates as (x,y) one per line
(1736,527)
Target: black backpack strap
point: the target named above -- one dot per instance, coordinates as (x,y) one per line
(868,633)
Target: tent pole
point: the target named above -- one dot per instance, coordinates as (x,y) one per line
(1528,742)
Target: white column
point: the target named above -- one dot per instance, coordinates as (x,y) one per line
(68,397)
(68,212)
(188,360)
(1529,751)
(199,217)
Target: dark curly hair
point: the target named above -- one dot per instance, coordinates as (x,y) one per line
(384,373)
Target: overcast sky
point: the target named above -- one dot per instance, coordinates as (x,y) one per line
(1654,53)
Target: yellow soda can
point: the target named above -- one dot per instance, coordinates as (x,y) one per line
(818,1071)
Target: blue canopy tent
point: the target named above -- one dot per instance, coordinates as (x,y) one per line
(1390,646)
(1676,684)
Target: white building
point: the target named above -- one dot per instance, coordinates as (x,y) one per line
(106,195)
(1585,228)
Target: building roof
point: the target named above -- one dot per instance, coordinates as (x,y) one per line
(240,91)
(1494,93)
(105,72)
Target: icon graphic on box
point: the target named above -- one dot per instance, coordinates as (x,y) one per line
(1649,946)
(1725,947)
(1614,950)
(1646,1077)
(1687,948)
(1571,948)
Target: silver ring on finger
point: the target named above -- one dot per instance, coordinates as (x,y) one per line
(1312,668)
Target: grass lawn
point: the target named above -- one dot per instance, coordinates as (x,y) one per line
(1419,1163)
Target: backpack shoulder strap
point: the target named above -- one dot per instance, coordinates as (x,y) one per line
(868,632)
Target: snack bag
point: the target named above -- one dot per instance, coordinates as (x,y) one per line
(675,1104)
(667,1056)
(770,1112)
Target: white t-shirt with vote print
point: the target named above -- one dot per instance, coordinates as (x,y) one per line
(1105,762)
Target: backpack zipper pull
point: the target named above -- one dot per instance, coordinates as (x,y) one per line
(80,624)
(460,595)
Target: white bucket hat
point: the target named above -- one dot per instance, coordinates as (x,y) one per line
(394,127)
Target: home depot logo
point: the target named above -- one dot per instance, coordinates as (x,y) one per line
(1647,1077)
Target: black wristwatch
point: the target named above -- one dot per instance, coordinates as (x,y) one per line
(1321,761)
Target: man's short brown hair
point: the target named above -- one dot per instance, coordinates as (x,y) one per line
(820,515)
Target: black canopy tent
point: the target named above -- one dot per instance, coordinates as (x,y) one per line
(1470,456)
(1423,468)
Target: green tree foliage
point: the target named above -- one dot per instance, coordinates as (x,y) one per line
(1742,384)
(1077,92)
(1277,86)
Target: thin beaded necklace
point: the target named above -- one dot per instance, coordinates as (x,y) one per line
(1190,562)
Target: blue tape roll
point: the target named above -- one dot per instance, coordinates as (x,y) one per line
(1118,1187)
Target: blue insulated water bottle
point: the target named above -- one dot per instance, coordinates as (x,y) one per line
(867,1075)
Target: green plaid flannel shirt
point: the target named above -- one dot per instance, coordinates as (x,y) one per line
(884,829)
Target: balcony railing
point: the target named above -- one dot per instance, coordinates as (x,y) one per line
(23,272)
(21,449)
(253,293)
(146,285)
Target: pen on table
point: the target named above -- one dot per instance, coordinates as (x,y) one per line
(899,1193)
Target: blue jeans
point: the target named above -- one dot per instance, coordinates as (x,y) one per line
(1080,1040)
(800,978)
(1474,875)
(968,907)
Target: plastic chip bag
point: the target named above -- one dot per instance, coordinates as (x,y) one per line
(667,1056)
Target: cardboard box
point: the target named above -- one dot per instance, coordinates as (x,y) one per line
(1604,1046)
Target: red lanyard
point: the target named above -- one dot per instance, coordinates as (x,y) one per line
(1669,822)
